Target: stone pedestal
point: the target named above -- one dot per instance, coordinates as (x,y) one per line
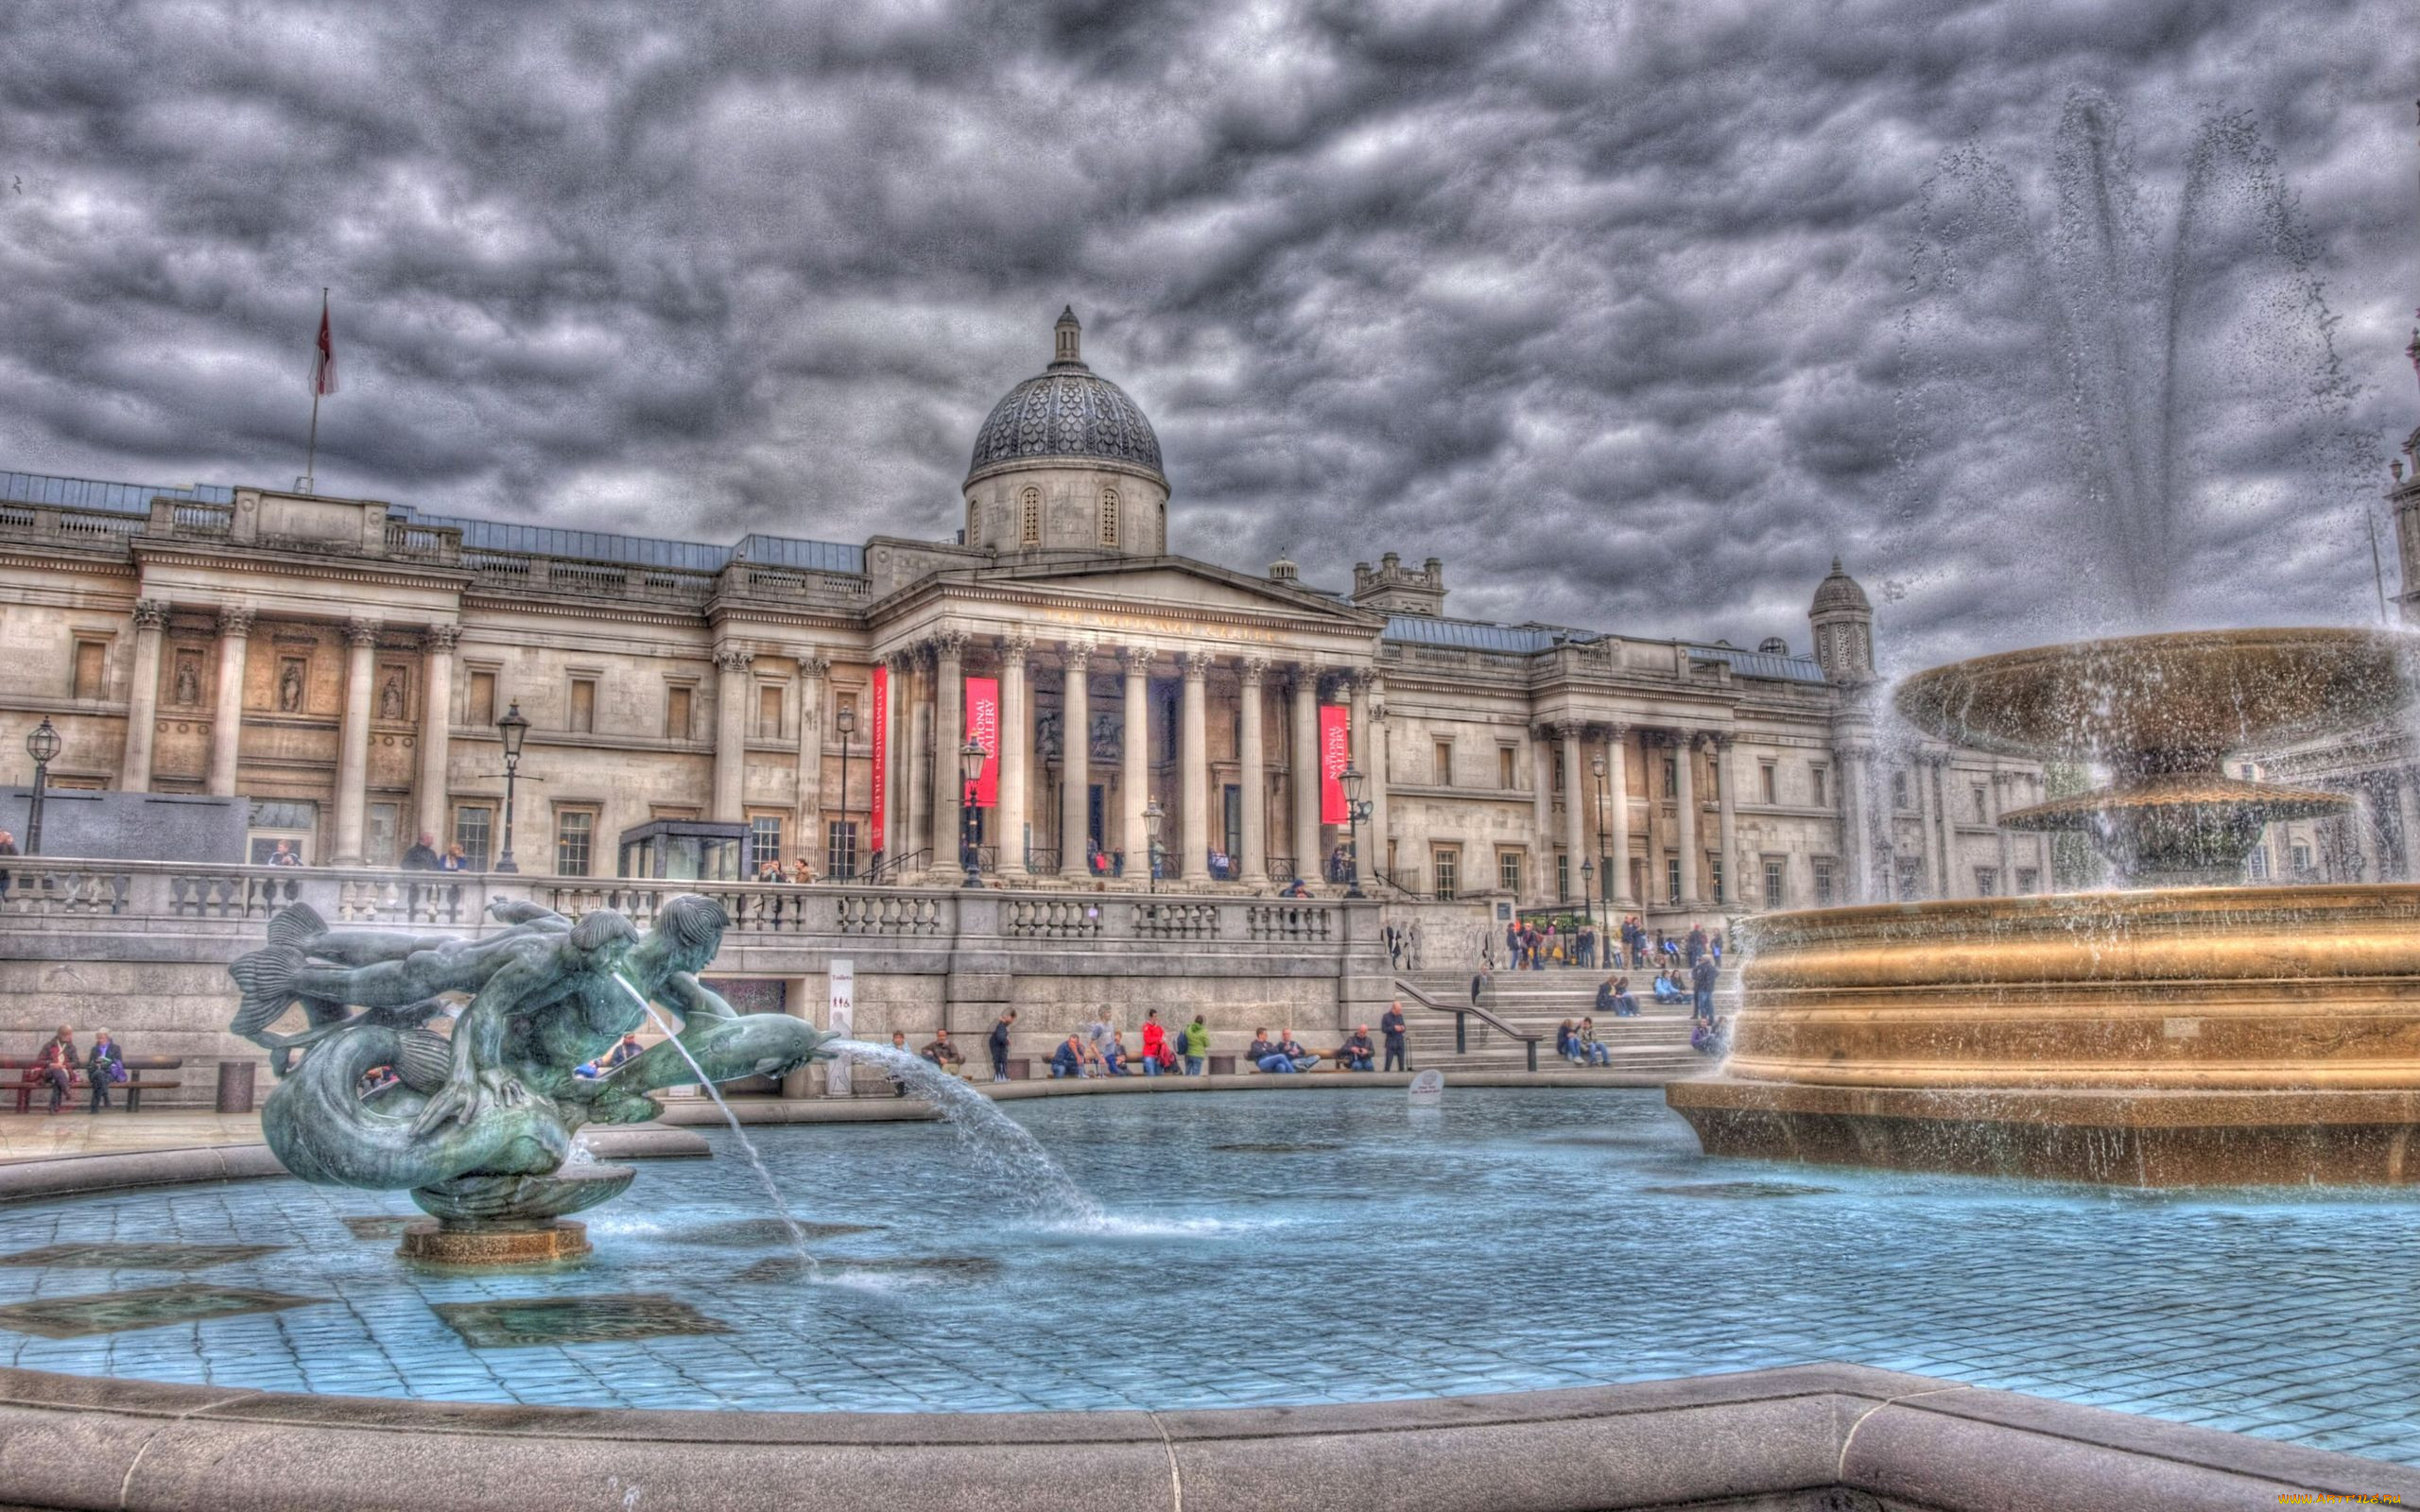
(429,1242)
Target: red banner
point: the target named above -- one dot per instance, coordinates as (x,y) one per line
(881,722)
(983,728)
(1336,754)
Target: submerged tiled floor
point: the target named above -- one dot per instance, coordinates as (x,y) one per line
(1340,1249)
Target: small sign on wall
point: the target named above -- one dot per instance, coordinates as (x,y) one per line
(841,1021)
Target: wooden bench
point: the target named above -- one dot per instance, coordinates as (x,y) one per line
(13,1069)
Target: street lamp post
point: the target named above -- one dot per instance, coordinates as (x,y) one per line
(1357,809)
(970,770)
(515,727)
(846,722)
(1153,815)
(42,746)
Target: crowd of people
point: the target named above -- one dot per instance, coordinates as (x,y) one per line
(58,1065)
(1532,946)
(1102,1050)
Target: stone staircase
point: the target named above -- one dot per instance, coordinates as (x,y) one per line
(1654,1046)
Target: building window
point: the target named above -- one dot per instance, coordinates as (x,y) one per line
(575,841)
(1561,877)
(1823,883)
(1109,517)
(840,849)
(2029,881)
(583,713)
(380,843)
(1823,776)
(677,702)
(2302,859)
(1448,861)
(1899,790)
(764,840)
(1772,885)
(1504,768)
(1987,882)
(1982,809)
(974,525)
(91,671)
(2257,861)
(769,711)
(1445,768)
(1673,879)
(479,702)
(1508,872)
(275,819)
(1554,773)
(474,832)
(1769,778)
(1030,517)
(1714,871)
(1912,877)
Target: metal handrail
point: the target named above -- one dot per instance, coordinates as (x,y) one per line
(894,866)
(1461,1034)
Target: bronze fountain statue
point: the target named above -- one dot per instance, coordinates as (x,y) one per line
(479,1126)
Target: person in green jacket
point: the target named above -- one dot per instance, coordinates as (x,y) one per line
(1197,1046)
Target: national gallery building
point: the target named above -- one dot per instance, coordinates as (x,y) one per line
(341,664)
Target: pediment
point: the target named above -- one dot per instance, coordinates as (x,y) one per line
(1175,586)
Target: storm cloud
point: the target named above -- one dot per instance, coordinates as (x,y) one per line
(1633,312)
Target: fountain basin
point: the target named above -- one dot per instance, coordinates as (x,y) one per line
(2178,1036)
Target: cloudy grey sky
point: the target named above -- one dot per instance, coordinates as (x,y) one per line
(1606,303)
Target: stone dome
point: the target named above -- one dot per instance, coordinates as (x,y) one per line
(1838,590)
(1067,412)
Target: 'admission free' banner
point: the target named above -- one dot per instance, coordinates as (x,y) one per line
(983,728)
(1335,753)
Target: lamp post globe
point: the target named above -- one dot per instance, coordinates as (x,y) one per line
(970,757)
(43,744)
(513,728)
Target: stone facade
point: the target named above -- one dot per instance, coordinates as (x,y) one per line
(341,664)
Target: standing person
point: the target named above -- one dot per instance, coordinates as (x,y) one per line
(104,1067)
(1000,1045)
(8,847)
(1696,947)
(284,855)
(1155,1042)
(423,855)
(57,1066)
(1391,1028)
(455,860)
(1702,983)
(1196,1047)
(1479,981)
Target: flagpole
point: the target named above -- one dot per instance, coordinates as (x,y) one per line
(311,450)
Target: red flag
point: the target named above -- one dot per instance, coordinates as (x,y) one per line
(880,695)
(323,369)
(1336,754)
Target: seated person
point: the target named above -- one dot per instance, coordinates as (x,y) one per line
(899,1042)
(1666,991)
(624,1051)
(1265,1055)
(1709,1038)
(377,1079)
(1302,1060)
(941,1053)
(1564,1034)
(1625,1003)
(1586,1047)
(1358,1052)
(1113,1055)
(1068,1060)
(1296,888)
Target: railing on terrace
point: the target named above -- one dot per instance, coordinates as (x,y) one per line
(47,892)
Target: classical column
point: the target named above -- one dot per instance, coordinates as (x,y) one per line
(1575,801)
(1016,743)
(1251,778)
(143,695)
(1615,843)
(1193,767)
(227,723)
(730,732)
(2407,792)
(1955,881)
(1075,755)
(949,735)
(1542,814)
(1928,813)
(1371,859)
(1309,853)
(1377,766)
(1999,808)
(920,762)
(894,760)
(436,725)
(1684,807)
(352,741)
(1849,764)
(1726,822)
(1134,752)
(813,667)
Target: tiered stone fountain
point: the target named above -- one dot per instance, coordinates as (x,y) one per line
(2180,1032)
